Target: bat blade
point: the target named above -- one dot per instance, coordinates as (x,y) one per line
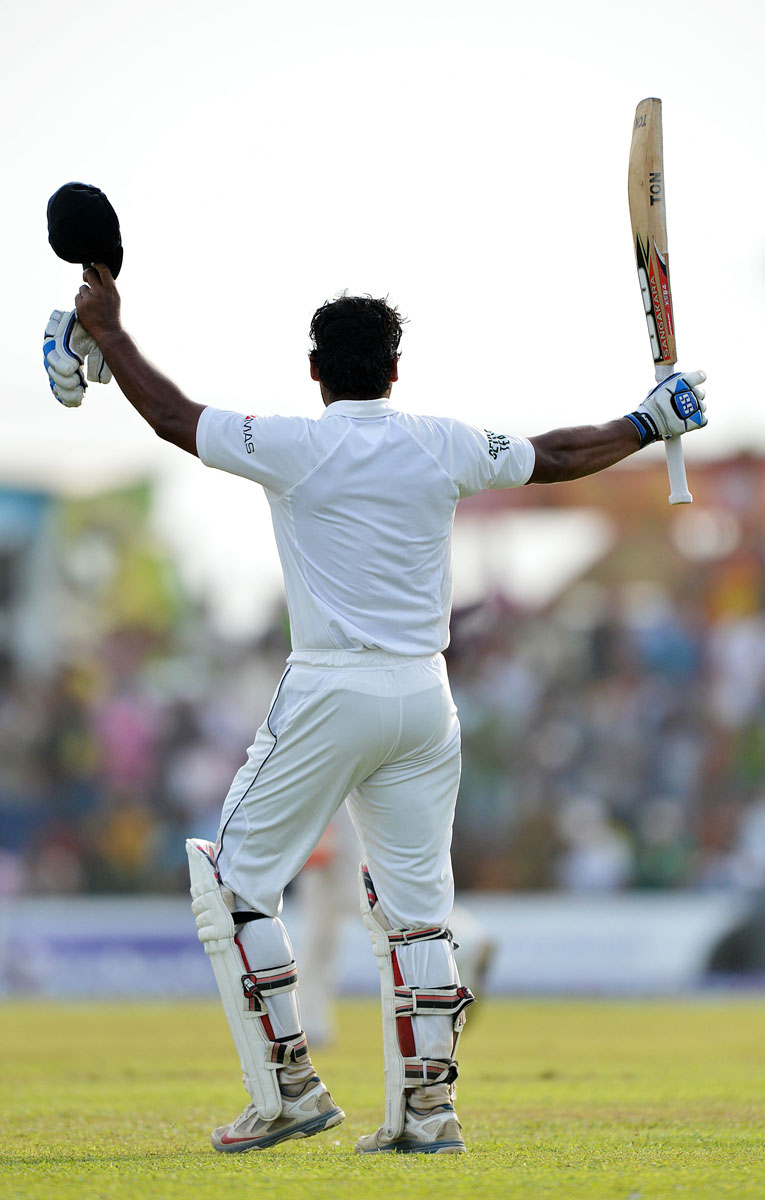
(649,234)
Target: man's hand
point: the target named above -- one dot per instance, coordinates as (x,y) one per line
(98,302)
(66,346)
(674,406)
(170,413)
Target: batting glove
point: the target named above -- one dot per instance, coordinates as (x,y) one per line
(674,406)
(66,346)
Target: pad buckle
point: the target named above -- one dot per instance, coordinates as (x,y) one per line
(256,985)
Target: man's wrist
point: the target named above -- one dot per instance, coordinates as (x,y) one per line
(107,334)
(645,427)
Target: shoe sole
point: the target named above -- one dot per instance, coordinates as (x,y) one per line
(412,1147)
(308,1129)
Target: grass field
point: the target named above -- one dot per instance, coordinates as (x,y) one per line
(625,1101)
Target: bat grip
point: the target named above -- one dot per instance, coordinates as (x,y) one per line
(678,483)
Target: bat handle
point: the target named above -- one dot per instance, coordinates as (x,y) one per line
(678,484)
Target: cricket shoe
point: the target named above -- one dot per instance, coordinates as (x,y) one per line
(301,1117)
(436,1131)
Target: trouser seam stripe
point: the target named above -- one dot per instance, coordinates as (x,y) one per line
(254,779)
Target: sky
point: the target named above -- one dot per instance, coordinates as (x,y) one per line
(469,161)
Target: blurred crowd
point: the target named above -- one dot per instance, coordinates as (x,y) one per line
(622,751)
(612,743)
(106,767)
(615,740)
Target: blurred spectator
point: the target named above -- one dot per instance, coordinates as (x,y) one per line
(746,861)
(596,855)
(663,846)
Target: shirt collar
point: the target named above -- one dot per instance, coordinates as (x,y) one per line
(358,408)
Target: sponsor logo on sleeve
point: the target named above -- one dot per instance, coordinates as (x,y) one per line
(249,445)
(497,442)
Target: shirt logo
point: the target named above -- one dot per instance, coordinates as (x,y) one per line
(248,442)
(497,442)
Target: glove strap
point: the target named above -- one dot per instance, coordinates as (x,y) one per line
(646,427)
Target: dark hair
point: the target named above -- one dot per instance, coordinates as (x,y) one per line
(355,344)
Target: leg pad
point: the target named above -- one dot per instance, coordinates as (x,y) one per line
(402,1004)
(244,991)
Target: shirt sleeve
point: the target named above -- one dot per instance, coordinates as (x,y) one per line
(264,449)
(484,459)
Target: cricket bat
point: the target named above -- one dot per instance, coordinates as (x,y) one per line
(649,235)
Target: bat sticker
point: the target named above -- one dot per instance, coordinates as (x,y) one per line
(657,301)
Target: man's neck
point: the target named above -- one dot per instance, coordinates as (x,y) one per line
(330,398)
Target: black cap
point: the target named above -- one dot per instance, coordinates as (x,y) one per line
(83,227)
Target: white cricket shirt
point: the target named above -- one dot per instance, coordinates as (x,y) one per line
(362,500)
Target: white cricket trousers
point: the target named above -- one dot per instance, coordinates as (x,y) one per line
(378,729)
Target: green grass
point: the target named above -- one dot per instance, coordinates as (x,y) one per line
(609,1101)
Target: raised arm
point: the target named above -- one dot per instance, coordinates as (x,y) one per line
(170,413)
(582,450)
(676,406)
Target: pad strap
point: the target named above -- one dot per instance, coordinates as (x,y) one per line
(257,984)
(423,1072)
(289,1050)
(432,1002)
(407,937)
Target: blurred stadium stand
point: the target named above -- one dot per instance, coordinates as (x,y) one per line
(612,697)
